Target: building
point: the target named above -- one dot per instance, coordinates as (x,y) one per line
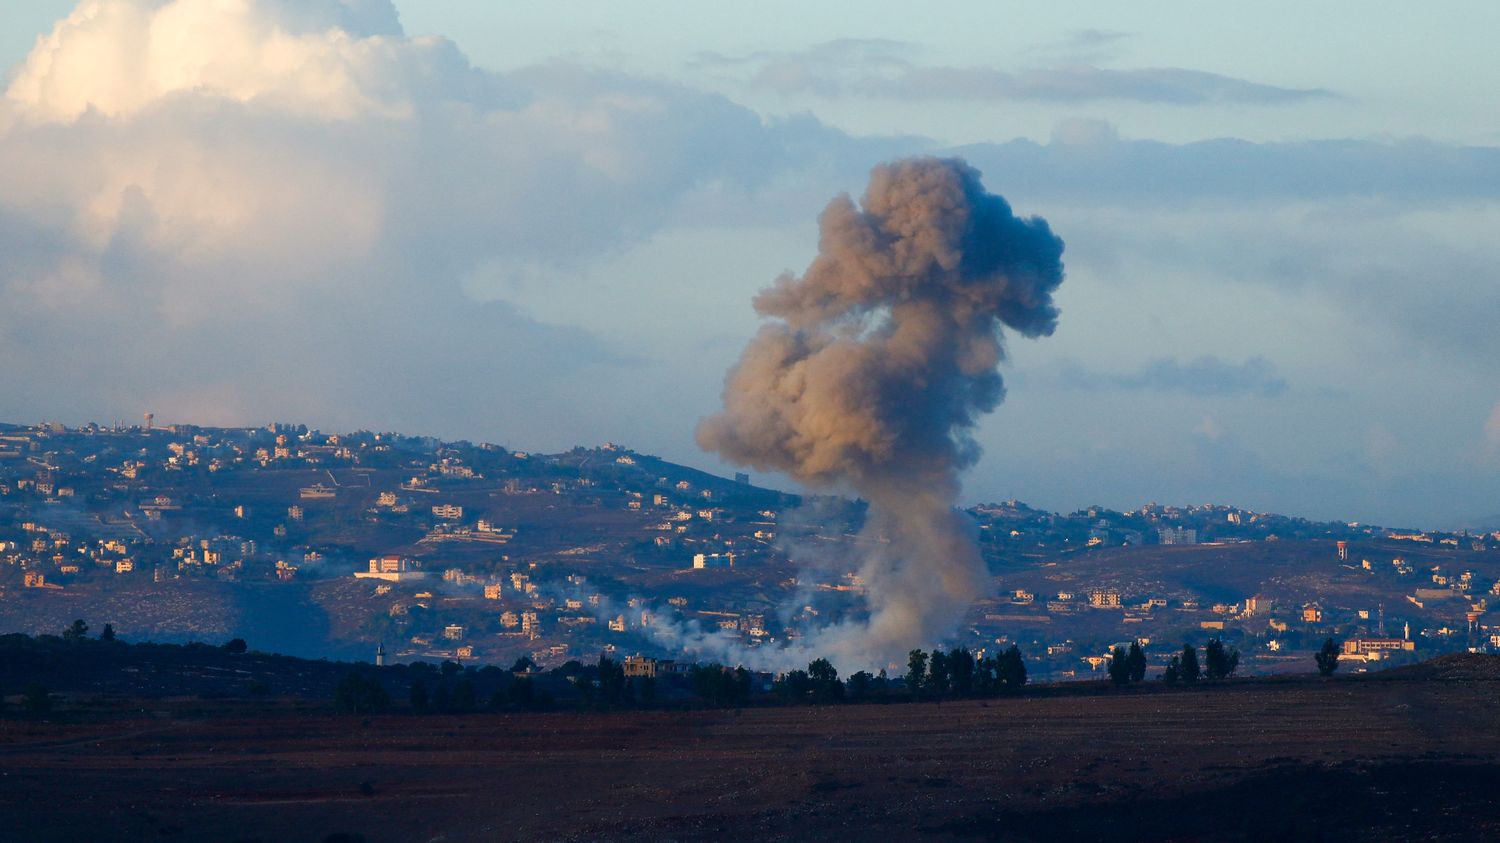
(1375,649)
(393,568)
(317,492)
(448,512)
(1103,598)
(453,632)
(1312,613)
(1178,535)
(639,667)
(713,560)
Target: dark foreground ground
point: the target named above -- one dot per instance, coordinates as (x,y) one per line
(1412,754)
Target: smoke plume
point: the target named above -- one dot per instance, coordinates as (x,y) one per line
(874,370)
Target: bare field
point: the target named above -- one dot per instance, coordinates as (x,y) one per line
(1370,758)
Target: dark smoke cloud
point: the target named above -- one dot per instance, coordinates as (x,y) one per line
(879,362)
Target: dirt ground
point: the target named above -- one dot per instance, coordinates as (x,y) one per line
(1350,759)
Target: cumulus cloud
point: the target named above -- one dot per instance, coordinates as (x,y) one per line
(883,69)
(289,195)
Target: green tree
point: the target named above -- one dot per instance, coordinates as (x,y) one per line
(743,685)
(236,646)
(916,670)
(826,686)
(76,631)
(937,672)
(419,698)
(1188,669)
(1119,665)
(859,685)
(1219,662)
(611,681)
(35,700)
(465,695)
(793,686)
(986,677)
(1173,672)
(1328,657)
(521,692)
(961,670)
(1012,669)
(360,693)
(523,665)
(108,633)
(1136,659)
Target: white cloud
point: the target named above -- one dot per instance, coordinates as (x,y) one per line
(288,194)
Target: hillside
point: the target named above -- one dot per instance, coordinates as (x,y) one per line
(264,534)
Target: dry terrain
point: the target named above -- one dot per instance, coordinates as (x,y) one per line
(1411,753)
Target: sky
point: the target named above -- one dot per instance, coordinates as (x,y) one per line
(542,224)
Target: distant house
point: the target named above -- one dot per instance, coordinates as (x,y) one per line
(393,568)
(1178,535)
(1104,598)
(1375,649)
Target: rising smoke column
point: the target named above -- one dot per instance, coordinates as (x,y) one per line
(874,371)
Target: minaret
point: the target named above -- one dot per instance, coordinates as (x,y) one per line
(380,654)
(1406,632)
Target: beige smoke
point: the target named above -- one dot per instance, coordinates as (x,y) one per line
(877,364)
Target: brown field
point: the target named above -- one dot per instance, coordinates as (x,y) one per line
(1412,753)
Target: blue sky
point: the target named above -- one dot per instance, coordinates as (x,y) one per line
(542,224)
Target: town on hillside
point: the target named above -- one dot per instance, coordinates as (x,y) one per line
(345,544)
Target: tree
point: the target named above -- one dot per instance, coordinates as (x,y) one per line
(76,631)
(961,669)
(825,681)
(743,685)
(1173,671)
(859,685)
(793,685)
(1188,669)
(523,665)
(1012,669)
(1328,657)
(1119,665)
(1136,659)
(1219,662)
(916,670)
(35,700)
(360,693)
(938,673)
(108,633)
(715,684)
(465,695)
(521,693)
(611,681)
(419,699)
(236,646)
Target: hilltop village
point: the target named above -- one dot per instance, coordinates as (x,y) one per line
(351,544)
